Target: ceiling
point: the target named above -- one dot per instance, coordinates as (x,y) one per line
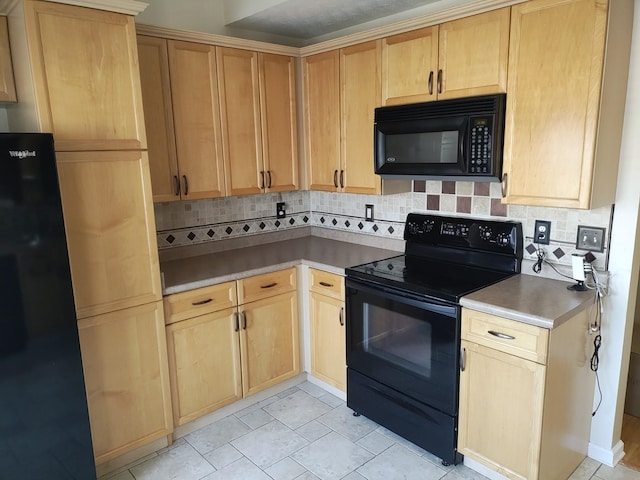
(309,19)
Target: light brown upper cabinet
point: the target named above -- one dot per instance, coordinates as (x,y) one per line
(180,94)
(342,90)
(84,66)
(460,58)
(7,83)
(564,116)
(257,108)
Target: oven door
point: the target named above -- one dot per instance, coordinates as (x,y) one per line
(404,342)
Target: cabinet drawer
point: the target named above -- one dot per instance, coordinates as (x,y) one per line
(181,306)
(509,336)
(266,285)
(326,283)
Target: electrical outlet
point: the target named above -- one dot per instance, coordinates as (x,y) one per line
(542,232)
(280,211)
(590,238)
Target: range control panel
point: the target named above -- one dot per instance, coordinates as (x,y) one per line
(476,234)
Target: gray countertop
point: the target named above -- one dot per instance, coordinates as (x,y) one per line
(331,255)
(535,300)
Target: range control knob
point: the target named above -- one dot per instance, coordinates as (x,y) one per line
(503,239)
(485,233)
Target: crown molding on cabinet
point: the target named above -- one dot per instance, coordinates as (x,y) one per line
(215,39)
(435,18)
(128,7)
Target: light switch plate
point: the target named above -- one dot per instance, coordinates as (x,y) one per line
(590,238)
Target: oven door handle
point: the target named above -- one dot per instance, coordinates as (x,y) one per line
(404,297)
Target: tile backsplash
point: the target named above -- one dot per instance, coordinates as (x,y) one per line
(192,222)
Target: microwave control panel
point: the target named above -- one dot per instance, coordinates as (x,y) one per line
(480,144)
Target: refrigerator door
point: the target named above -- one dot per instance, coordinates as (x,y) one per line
(44,422)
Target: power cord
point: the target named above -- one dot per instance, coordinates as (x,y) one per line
(597,341)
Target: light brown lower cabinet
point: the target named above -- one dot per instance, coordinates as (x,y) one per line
(224,346)
(526,395)
(328,337)
(124,355)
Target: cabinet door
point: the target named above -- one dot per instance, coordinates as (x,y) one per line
(86,78)
(409,66)
(240,114)
(124,356)
(7,83)
(110,227)
(473,55)
(328,340)
(156,98)
(552,111)
(194,91)
(204,364)
(269,342)
(279,122)
(360,94)
(322,112)
(500,415)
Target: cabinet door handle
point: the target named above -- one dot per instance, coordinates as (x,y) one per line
(504,336)
(341,178)
(202,302)
(440,81)
(236,316)
(503,185)
(244,320)
(176,183)
(270,285)
(463,358)
(269,177)
(262,183)
(325,284)
(430,83)
(186,184)
(335,178)
(341,317)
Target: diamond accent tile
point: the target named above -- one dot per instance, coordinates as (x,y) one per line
(246,228)
(375,228)
(277,224)
(390,230)
(229,230)
(292,221)
(211,233)
(322,220)
(559,253)
(191,236)
(530,249)
(171,239)
(347,224)
(305,219)
(334,221)
(262,226)
(360,226)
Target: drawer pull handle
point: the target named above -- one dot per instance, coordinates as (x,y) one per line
(325,284)
(202,302)
(271,285)
(504,336)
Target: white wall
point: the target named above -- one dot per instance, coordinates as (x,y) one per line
(623,265)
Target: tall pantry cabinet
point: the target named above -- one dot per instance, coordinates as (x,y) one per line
(93,108)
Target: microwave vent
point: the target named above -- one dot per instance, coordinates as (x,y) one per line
(482,105)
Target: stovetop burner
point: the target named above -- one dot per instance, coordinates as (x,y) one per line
(447,257)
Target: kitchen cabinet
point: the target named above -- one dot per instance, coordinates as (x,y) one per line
(230,340)
(328,333)
(93,104)
(563,130)
(180,93)
(203,350)
(464,57)
(257,107)
(7,83)
(110,229)
(268,317)
(526,395)
(124,356)
(342,89)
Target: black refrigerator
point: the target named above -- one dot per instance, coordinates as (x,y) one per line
(44,422)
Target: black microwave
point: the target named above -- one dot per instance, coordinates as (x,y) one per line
(458,139)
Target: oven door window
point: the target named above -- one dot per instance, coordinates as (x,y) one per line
(407,344)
